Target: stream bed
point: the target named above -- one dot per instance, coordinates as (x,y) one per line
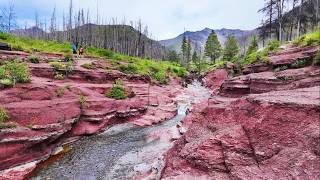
(123,151)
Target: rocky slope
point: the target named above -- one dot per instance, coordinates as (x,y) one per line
(263,125)
(49,113)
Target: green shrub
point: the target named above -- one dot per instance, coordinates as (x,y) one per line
(3,115)
(299,63)
(308,39)
(33,59)
(60,91)
(82,100)
(87,66)
(161,77)
(281,68)
(17,47)
(117,92)
(182,72)
(57,65)
(127,69)
(4,36)
(69,67)
(68,56)
(7,82)
(59,76)
(2,72)
(299,41)
(316,60)
(18,71)
(10,125)
(272,46)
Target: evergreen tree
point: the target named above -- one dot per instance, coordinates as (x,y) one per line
(231,49)
(194,57)
(173,56)
(213,47)
(184,48)
(188,53)
(253,47)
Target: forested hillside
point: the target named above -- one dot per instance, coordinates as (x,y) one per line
(78,27)
(123,39)
(199,38)
(286,20)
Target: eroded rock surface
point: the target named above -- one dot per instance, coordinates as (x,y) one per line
(263,125)
(49,113)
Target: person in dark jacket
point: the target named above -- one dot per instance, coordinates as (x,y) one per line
(74,48)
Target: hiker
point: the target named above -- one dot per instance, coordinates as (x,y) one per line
(74,48)
(81,49)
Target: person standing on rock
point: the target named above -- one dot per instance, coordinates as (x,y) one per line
(81,49)
(74,48)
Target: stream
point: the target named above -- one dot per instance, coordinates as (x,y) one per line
(123,151)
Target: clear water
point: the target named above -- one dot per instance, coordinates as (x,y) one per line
(121,151)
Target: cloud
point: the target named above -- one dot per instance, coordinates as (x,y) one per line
(165,18)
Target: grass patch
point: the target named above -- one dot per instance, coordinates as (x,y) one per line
(57,65)
(82,100)
(33,59)
(30,45)
(3,118)
(60,91)
(3,115)
(68,56)
(17,71)
(12,72)
(117,91)
(310,39)
(299,63)
(161,77)
(87,66)
(7,83)
(59,76)
(316,59)
(128,69)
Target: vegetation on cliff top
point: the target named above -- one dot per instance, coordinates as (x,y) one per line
(158,70)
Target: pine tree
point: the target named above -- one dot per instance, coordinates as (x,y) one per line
(173,56)
(188,53)
(231,49)
(253,47)
(184,48)
(194,57)
(213,47)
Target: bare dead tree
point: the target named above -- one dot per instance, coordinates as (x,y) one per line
(53,24)
(69,27)
(280,12)
(299,18)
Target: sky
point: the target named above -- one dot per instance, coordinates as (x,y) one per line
(165,18)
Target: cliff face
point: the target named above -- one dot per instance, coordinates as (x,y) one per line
(263,125)
(49,113)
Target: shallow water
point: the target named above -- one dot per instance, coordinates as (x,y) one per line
(122,151)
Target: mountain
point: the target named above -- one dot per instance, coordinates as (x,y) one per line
(199,38)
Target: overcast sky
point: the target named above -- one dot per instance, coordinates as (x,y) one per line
(165,18)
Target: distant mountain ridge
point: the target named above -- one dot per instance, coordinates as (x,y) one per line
(199,38)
